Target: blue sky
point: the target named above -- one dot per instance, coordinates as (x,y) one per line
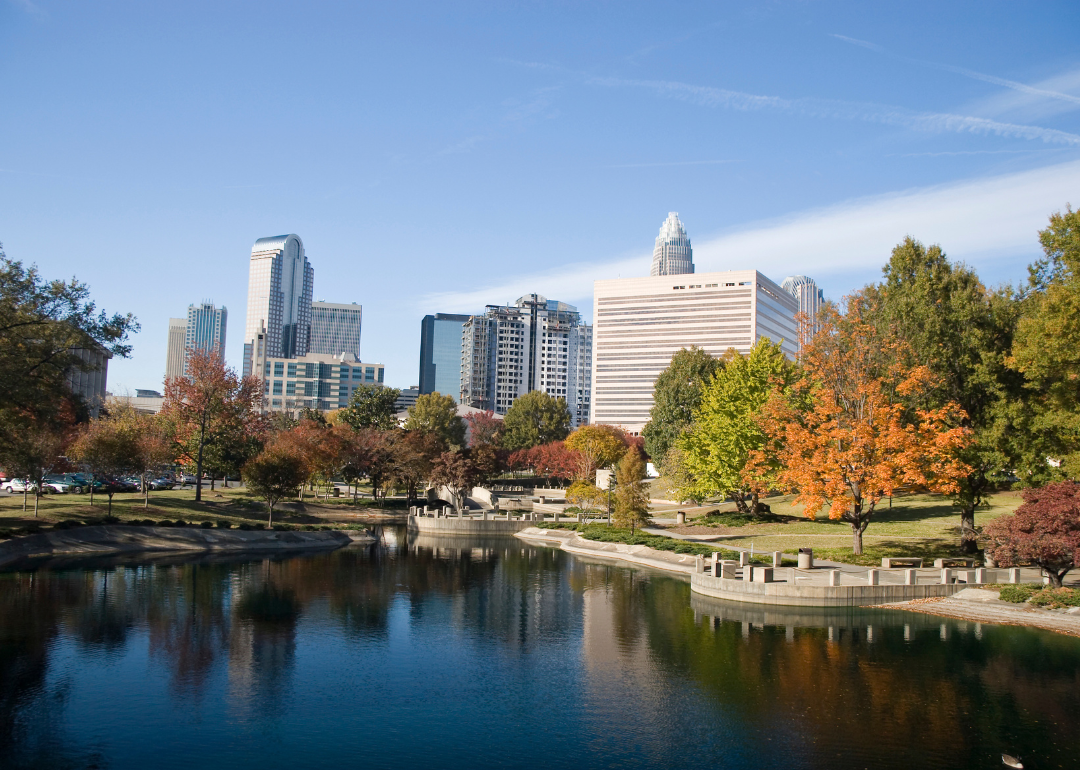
(437,157)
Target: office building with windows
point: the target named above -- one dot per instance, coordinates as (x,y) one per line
(313,381)
(672,254)
(534,344)
(174,358)
(205,329)
(440,354)
(280,286)
(810,299)
(640,323)
(335,328)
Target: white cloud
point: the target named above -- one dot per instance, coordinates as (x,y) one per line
(930,122)
(976,220)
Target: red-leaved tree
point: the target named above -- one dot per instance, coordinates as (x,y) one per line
(1045,530)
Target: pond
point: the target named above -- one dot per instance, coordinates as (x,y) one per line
(450,653)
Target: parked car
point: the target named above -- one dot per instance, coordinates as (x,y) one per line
(187,479)
(77,483)
(60,487)
(19,486)
(162,483)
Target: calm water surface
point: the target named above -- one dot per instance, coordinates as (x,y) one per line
(472,654)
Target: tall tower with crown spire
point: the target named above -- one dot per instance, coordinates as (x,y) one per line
(673,254)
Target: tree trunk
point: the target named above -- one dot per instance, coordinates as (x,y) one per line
(212,475)
(270,519)
(856,539)
(199,461)
(110,503)
(146,493)
(968,537)
(91,491)
(25,492)
(37,495)
(1056,578)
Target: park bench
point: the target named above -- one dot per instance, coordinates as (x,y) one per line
(942,563)
(893,562)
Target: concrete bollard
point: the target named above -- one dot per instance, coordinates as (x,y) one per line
(699,564)
(485,515)
(680,518)
(806,558)
(980,576)
(1014,575)
(716,564)
(556,517)
(763,575)
(744,558)
(834,577)
(728,569)
(872,578)
(946,576)
(747,573)
(542,500)
(911,577)
(777,558)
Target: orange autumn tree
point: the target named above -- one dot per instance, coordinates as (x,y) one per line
(842,439)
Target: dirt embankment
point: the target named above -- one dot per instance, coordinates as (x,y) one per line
(110,539)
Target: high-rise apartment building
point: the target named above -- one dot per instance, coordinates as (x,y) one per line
(534,344)
(672,254)
(280,286)
(440,354)
(335,328)
(174,358)
(640,323)
(809,297)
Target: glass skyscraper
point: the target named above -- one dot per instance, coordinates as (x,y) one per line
(672,254)
(335,328)
(205,328)
(440,354)
(280,287)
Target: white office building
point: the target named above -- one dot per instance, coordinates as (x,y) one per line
(175,357)
(640,323)
(335,328)
(280,285)
(534,344)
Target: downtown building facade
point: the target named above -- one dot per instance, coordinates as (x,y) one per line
(313,381)
(280,287)
(672,254)
(534,344)
(640,323)
(203,329)
(440,354)
(335,328)
(810,299)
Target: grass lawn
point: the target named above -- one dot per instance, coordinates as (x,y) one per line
(234,504)
(916,525)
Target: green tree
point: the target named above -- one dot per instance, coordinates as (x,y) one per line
(437,415)
(1046,350)
(588,497)
(43,325)
(534,419)
(597,446)
(725,435)
(676,395)
(275,474)
(371,406)
(961,331)
(109,446)
(631,491)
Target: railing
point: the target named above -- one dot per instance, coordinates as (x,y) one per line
(872,576)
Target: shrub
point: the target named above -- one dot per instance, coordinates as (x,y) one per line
(1019,593)
(260,525)
(1056,597)
(282,527)
(222,524)
(110,519)
(164,523)
(206,524)
(180,523)
(309,528)
(245,526)
(61,525)
(5,533)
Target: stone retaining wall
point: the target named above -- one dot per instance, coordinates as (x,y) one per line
(815,596)
(118,538)
(454,526)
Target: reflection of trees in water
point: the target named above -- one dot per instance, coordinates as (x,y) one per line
(945,696)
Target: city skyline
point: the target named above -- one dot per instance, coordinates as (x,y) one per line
(280,287)
(792,139)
